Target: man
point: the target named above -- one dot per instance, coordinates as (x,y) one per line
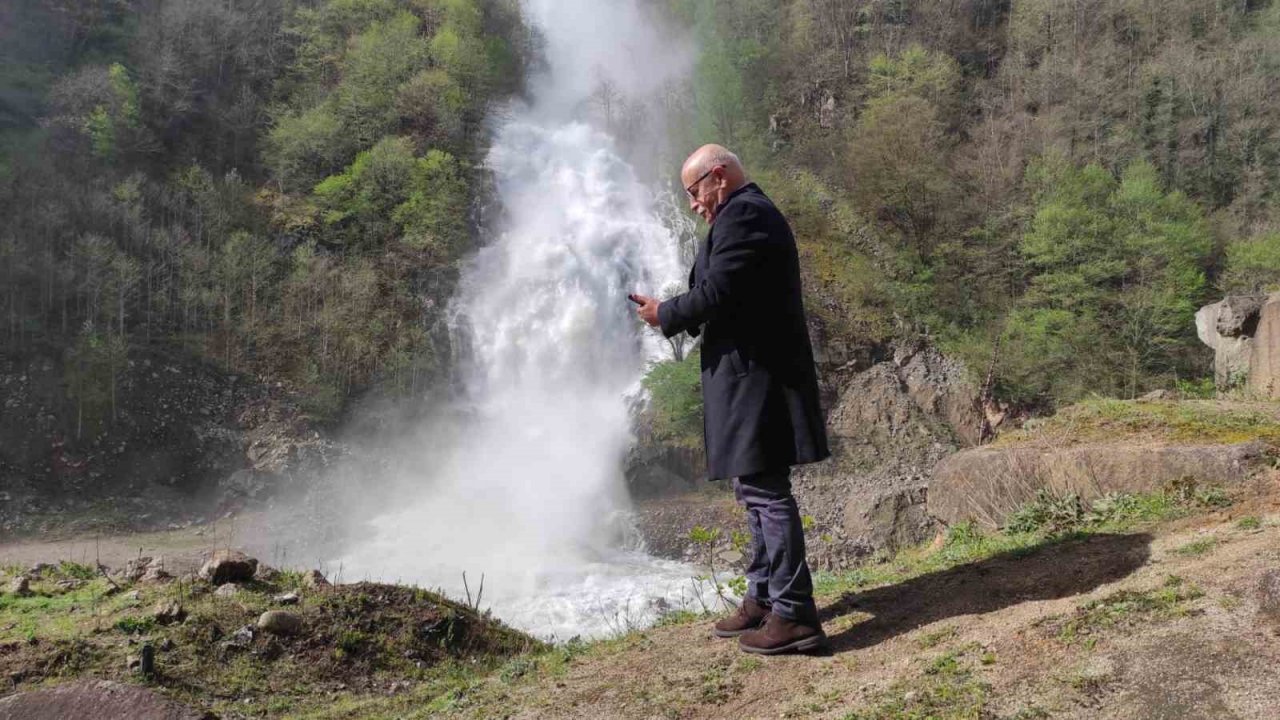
(759,389)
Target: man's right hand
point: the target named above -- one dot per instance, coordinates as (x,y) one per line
(648,310)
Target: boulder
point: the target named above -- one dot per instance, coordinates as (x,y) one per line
(280,622)
(314,579)
(987,484)
(168,612)
(228,566)
(20,586)
(95,700)
(1238,315)
(1231,354)
(1264,360)
(228,590)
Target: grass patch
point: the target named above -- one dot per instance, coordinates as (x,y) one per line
(1249,522)
(1051,513)
(1126,608)
(1106,419)
(1197,548)
(948,689)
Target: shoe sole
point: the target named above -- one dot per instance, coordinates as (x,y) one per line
(733,633)
(808,644)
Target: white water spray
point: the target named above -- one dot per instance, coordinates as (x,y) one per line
(532,494)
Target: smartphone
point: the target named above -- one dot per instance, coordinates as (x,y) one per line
(635,299)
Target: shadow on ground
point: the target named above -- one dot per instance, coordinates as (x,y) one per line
(1055,569)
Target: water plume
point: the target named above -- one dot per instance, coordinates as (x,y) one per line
(530,492)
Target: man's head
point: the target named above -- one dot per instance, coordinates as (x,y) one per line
(709,176)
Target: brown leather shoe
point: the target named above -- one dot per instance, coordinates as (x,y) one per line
(780,635)
(750,615)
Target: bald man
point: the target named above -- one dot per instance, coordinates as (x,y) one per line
(759,389)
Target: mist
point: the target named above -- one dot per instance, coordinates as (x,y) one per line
(529,491)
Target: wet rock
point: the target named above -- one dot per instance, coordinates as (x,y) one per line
(1269,599)
(228,566)
(280,622)
(168,612)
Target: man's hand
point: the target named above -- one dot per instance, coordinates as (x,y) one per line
(648,310)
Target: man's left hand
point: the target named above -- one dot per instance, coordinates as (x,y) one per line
(648,310)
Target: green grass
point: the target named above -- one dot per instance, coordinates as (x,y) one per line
(948,689)
(1249,522)
(1197,548)
(1106,419)
(1126,608)
(1050,513)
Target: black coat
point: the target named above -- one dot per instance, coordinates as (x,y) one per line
(759,385)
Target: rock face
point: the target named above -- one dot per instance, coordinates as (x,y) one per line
(987,484)
(229,566)
(1244,332)
(1264,363)
(889,426)
(99,700)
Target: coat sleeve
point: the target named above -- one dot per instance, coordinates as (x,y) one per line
(740,236)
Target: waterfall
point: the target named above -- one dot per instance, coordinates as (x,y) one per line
(531,493)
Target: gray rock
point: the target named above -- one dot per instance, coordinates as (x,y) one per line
(1264,360)
(315,579)
(100,700)
(289,598)
(228,566)
(228,590)
(987,484)
(280,622)
(1238,314)
(168,612)
(20,586)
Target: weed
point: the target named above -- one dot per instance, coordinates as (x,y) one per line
(135,625)
(76,570)
(1249,522)
(1197,547)
(1127,607)
(947,689)
(936,637)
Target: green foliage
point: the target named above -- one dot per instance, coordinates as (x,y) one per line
(675,392)
(1117,274)
(1253,265)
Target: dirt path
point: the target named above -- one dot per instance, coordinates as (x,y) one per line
(1013,636)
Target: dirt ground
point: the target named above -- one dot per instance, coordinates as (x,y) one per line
(995,627)
(1161,624)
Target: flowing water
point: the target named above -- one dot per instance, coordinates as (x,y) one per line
(531,495)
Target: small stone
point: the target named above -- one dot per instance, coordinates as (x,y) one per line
(243,637)
(168,612)
(20,587)
(133,662)
(228,590)
(226,566)
(289,598)
(280,622)
(315,579)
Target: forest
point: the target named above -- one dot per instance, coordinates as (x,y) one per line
(1047,190)
(280,188)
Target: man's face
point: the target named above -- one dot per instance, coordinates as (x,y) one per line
(702,189)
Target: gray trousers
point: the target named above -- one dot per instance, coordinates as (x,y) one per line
(777,575)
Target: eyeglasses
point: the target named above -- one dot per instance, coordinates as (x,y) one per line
(689,190)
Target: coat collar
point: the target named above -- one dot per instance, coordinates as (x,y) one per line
(749,187)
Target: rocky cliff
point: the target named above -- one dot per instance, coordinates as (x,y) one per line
(1244,332)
